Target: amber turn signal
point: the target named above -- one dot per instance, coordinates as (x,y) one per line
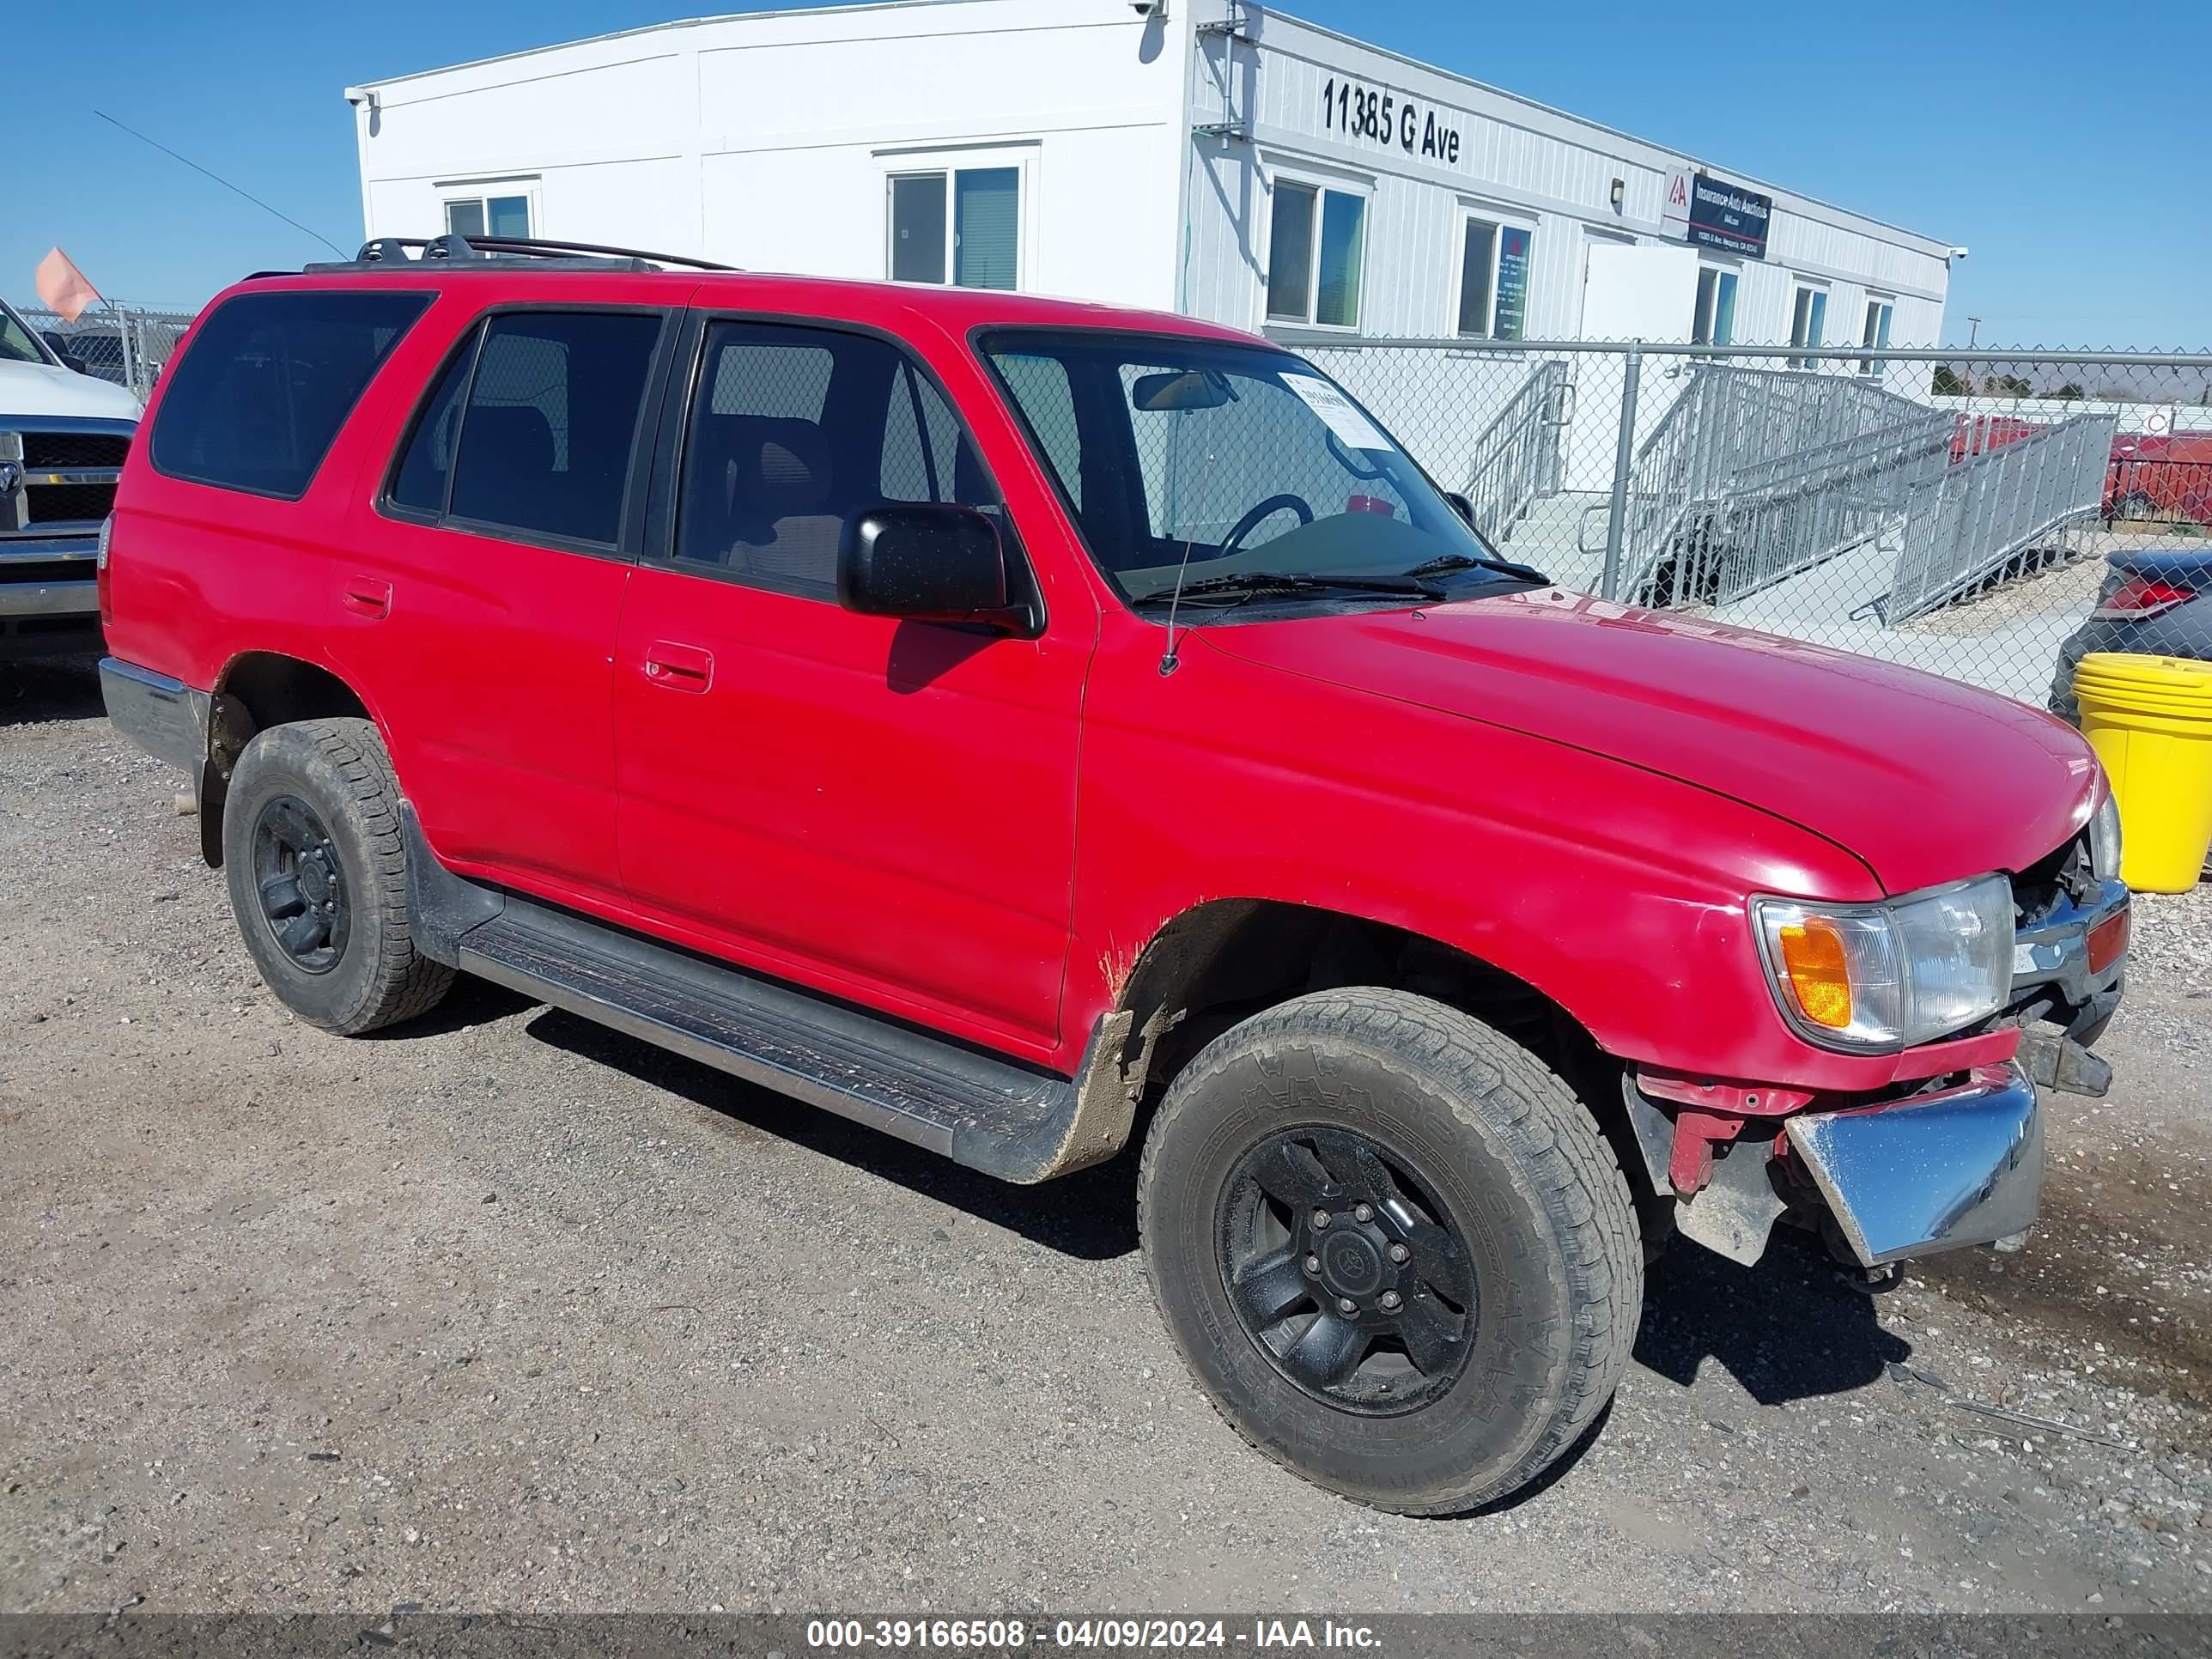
(1820,976)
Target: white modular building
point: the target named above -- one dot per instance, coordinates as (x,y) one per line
(1206,156)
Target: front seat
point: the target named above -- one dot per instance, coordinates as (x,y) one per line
(778,503)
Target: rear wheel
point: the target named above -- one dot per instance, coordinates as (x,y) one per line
(1393,1247)
(317,868)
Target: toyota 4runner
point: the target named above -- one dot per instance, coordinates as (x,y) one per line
(1027,727)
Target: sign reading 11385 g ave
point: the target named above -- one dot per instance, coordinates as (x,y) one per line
(1390,119)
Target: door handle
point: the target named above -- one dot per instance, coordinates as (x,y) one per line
(368,596)
(679,667)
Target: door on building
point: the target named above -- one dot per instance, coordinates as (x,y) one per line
(1630,291)
(883,811)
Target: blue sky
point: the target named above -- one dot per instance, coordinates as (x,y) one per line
(2057,139)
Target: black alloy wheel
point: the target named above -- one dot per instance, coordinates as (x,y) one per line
(1346,1271)
(316,854)
(301,884)
(1394,1247)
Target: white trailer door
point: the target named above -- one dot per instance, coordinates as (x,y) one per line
(1638,291)
(1630,291)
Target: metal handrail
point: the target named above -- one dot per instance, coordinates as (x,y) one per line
(1983,511)
(1515,459)
(1731,427)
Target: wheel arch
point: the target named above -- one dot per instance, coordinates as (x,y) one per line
(255,690)
(1221,960)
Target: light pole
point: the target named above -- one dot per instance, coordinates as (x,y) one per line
(1973,333)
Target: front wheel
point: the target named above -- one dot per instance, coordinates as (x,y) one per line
(1393,1247)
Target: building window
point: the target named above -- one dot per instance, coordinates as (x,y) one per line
(1879,315)
(1493,279)
(962,227)
(488,215)
(1714,322)
(1314,277)
(1807,319)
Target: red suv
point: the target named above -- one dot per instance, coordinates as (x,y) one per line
(1029,727)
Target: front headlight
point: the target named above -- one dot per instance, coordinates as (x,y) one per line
(1878,977)
(2104,839)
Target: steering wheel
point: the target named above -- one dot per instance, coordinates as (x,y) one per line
(1260,514)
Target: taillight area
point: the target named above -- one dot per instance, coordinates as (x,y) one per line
(2139,597)
(100,570)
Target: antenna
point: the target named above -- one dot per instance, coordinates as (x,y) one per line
(219,180)
(1168,661)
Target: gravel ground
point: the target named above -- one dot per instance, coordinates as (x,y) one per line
(508,1312)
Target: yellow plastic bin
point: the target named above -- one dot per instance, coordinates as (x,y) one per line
(2150,721)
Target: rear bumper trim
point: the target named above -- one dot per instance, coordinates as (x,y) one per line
(1935,1173)
(165,717)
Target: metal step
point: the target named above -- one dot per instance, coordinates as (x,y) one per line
(973,1108)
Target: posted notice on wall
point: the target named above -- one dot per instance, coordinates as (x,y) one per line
(1338,413)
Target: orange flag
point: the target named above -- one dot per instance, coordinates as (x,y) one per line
(62,287)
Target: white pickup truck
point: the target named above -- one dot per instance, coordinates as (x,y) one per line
(63,437)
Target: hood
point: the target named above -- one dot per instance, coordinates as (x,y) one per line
(35,389)
(1923,779)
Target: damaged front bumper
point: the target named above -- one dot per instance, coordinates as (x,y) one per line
(1916,1173)
(1936,1172)
(1911,1176)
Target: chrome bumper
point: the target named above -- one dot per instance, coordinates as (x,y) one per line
(1937,1172)
(2054,952)
(166,717)
(49,598)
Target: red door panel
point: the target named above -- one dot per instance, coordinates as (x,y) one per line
(885,810)
(490,658)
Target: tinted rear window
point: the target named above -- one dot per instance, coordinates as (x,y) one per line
(257,402)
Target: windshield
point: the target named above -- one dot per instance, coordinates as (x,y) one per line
(17,344)
(1221,463)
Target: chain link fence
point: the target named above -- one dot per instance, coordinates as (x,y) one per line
(1989,515)
(126,345)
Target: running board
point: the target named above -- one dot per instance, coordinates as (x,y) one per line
(1005,1120)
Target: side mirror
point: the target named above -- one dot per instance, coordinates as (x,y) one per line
(63,349)
(926,563)
(1464,508)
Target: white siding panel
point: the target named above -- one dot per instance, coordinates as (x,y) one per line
(764,139)
(543,115)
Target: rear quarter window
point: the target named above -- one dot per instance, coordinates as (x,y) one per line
(257,402)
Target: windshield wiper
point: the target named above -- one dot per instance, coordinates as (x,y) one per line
(1450,561)
(1255,584)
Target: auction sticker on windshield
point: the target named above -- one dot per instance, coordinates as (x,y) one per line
(1338,413)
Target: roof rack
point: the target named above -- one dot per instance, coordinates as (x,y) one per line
(507,251)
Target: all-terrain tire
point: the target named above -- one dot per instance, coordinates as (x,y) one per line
(339,770)
(1532,1189)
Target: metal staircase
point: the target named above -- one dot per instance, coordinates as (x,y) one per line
(1755,474)
(1516,459)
